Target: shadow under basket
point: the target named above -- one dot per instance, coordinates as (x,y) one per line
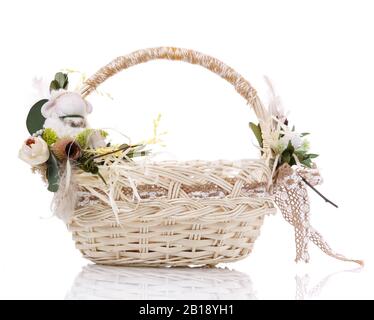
(190,213)
(173,213)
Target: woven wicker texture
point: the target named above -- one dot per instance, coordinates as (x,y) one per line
(181,223)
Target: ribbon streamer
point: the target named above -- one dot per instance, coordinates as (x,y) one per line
(291,196)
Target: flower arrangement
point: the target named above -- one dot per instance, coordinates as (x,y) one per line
(287,145)
(59,134)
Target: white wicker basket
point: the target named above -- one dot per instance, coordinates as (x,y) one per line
(189,213)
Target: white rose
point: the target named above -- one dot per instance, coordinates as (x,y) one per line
(277,144)
(34,151)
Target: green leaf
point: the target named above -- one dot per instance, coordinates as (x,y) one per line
(35,119)
(300,154)
(290,148)
(132,154)
(292,161)
(304,134)
(54,86)
(286,157)
(62,80)
(307,163)
(53,176)
(257,132)
(312,155)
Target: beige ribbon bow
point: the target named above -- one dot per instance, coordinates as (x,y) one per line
(291,196)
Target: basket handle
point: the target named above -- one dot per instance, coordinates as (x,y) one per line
(241,85)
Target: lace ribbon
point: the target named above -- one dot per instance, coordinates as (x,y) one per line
(291,196)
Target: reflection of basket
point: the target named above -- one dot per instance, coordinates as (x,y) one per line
(106,282)
(184,213)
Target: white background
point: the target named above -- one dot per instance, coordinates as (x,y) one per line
(319,55)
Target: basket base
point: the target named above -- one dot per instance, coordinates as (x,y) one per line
(228,242)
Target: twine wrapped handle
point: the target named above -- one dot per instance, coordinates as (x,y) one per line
(241,85)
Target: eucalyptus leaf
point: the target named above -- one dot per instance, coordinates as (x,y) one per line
(53,176)
(54,86)
(62,79)
(35,119)
(257,132)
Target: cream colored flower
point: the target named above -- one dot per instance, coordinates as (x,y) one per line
(34,151)
(296,140)
(277,144)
